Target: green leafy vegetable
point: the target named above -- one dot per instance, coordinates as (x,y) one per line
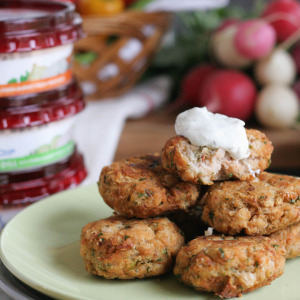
(86,58)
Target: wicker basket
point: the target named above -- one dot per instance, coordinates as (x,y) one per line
(113,71)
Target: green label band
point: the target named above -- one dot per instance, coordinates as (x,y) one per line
(35,160)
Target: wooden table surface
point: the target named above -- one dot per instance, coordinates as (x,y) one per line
(149,134)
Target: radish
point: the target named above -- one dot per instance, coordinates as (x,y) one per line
(284,16)
(229,92)
(296,57)
(254,39)
(193,81)
(277,106)
(224,50)
(278,68)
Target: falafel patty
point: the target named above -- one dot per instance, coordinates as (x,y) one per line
(229,266)
(289,238)
(119,248)
(204,165)
(140,187)
(268,203)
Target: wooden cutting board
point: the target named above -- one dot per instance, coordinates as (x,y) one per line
(150,133)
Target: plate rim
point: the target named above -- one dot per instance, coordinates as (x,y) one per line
(52,291)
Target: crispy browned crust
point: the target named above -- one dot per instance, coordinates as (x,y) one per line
(229,266)
(261,206)
(140,187)
(203,165)
(289,239)
(126,249)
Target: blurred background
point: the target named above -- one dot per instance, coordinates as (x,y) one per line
(242,53)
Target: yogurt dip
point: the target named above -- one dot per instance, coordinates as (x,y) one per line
(203,128)
(36,44)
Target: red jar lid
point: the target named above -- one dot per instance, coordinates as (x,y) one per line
(41,108)
(27,25)
(24,187)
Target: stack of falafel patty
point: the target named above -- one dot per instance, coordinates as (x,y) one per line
(254,217)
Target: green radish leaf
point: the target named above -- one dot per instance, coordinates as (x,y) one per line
(140,4)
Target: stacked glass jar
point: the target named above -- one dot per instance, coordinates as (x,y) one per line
(39,101)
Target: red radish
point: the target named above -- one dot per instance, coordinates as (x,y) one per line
(284,16)
(192,82)
(296,57)
(254,39)
(229,92)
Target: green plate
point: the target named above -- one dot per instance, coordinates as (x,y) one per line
(40,246)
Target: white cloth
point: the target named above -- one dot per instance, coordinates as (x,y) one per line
(99,126)
(186,5)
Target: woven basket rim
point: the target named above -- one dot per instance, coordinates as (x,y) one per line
(126,26)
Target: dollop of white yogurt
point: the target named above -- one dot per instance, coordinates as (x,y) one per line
(203,128)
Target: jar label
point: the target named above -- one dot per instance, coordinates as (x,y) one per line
(36,146)
(31,161)
(35,71)
(35,86)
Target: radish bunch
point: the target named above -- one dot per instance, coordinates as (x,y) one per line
(284,17)
(252,44)
(238,44)
(228,92)
(277,104)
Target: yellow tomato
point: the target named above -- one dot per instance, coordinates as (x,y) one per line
(100,7)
